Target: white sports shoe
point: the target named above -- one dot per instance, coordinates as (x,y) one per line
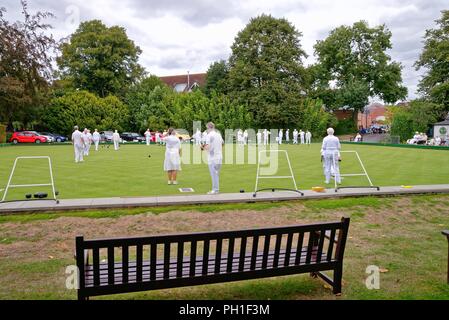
(175,182)
(213,192)
(169,183)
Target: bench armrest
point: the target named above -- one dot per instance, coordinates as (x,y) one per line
(445,233)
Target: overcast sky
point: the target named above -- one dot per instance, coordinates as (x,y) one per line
(181,35)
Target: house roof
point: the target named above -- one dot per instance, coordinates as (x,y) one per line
(443,123)
(179,80)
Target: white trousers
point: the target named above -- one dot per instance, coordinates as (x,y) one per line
(214,169)
(308,140)
(116,145)
(331,166)
(96,144)
(79,151)
(148,141)
(87,148)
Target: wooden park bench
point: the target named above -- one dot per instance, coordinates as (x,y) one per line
(112,266)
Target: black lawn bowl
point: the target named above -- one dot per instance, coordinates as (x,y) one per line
(40,195)
(28,196)
(242,191)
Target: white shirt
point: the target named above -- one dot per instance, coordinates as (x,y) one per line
(302,133)
(173,144)
(308,135)
(96,136)
(148,134)
(330,144)
(116,137)
(215,143)
(77,138)
(89,137)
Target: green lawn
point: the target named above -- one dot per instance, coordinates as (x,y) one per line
(400,235)
(131,172)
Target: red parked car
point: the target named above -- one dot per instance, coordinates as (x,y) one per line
(27,137)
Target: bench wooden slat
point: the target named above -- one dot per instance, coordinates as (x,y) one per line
(96,265)
(218,251)
(206,257)
(331,245)
(242,254)
(299,245)
(192,258)
(230,254)
(310,247)
(288,250)
(180,259)
(139,261)
(111,260)
(125,263)
(166,260)
(153,259)
(266,249)
(277,250)
(254,252)
(320,245)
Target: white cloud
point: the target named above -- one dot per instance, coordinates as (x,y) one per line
(178,35)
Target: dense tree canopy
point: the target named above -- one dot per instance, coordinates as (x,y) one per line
(25,66)
(216,78)
(353,65)
(86,110)
(435,59)
(266,71)
(99,59)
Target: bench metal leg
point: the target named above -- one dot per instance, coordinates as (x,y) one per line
(446,233)
(338,274)
(82,297)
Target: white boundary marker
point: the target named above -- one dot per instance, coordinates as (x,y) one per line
(9,185)
(364,174)
(291,176)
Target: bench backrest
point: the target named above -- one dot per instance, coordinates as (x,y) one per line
(228,251)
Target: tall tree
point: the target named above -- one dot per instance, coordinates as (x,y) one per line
(266,71)
(353,65)
(435,59)
(99,59)
(25,65)
(216,78)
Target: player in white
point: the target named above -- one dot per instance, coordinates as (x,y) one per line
(214,146)
(245,137)
(330,153)
(87,141)
(295,136)
(308,138)
(259,137)
(116,140)
(148,137)
(302,136)
(78,144)
(197,137)
(280,136)
(266,136)
(96,139)
(287,136)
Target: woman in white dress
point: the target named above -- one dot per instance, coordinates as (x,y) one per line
(172,163)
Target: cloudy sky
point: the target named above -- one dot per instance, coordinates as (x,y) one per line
(181,35)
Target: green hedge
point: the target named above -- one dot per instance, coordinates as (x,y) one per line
(2,133)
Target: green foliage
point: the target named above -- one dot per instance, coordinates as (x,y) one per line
(216,79)
(25,66)
(346,126)
(417,116)
(435,58)
(354,59)
(85,110)
(266,71)
(2,133)
(99,59)
(315,118)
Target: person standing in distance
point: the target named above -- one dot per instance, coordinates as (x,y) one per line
(214,146)
(330,151)
(96,138)
(78,144)
(116,140)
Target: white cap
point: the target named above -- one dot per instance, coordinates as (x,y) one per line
(330,131)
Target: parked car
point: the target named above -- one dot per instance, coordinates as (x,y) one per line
(56,137)
(132,137)
(27,137)
(106,136)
